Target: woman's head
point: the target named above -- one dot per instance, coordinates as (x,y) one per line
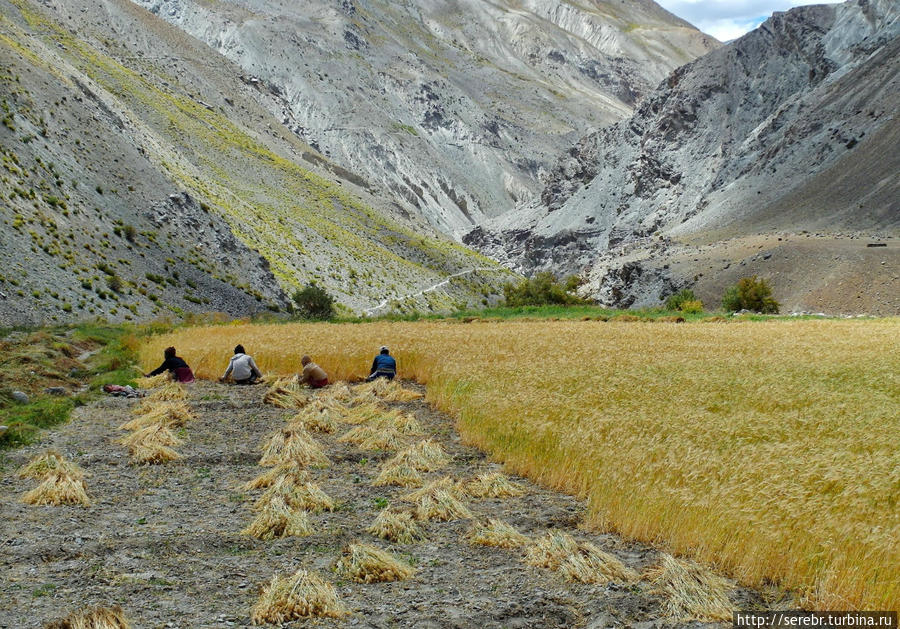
(169,352)
(239,349)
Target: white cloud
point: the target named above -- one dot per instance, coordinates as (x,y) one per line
(729,19)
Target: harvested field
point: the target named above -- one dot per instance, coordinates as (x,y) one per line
(717,440)
(165,542)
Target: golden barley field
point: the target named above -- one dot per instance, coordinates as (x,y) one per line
(767,449)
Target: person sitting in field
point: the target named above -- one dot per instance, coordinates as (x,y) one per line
(313,375)
(241,368)
(177,368)
(384,366)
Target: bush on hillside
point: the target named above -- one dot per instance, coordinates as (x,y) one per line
(750,293)
(314,303)
(540,290)
(677,300)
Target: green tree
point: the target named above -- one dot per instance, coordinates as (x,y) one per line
(750,293)
(540,290)
(314,303)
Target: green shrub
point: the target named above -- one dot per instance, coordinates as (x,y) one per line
(692,306)
(750,293)
(313,302)
(542,289)
(674,301)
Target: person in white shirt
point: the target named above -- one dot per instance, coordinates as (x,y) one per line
(241,368)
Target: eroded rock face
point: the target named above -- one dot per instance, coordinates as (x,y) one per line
(455,109)
(788,128)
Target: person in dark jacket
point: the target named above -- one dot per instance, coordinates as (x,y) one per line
(175,366)
(384,366)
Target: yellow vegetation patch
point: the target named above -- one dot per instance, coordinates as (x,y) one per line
(50,461)
(495,533)
(58,488)
(293,444)
(493,485)
(365,563)
(279,519)
(92,618)
(400,475)
(301,595)
(396,525)
(691,591)
(618,423)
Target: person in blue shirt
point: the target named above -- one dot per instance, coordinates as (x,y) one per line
(384,366)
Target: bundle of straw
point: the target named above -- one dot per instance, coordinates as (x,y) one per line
(169,414)
(279,519)
(50,461)
(439,501)
(493,485)
(92,618)
(426,456)
(365,563)
(301,595)
(152,435)
(315,420)
(153,382)
(396,525)
(305,496)
(580,562)
(286,393)
(495,533)
(58,488)
(292,444)
(170,392)
(289,470)
(400,475)
(691,591)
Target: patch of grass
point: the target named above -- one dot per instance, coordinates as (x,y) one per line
(25,421)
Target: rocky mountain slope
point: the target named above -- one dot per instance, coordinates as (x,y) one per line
(454,108)
(790,131)
(141,176)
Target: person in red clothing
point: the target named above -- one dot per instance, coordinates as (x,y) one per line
(175,365)
(313,375)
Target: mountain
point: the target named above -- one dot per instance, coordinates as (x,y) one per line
(776,155)
(143,175)
(453,108)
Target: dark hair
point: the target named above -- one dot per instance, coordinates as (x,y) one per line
(239,349)
(385,351)
(169,352)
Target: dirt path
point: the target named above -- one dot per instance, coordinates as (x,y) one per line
(163,541)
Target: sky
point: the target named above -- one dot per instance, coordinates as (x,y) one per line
(729,19)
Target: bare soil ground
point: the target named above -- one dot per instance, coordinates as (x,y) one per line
(164,541)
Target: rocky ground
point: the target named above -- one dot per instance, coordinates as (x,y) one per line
(164,541)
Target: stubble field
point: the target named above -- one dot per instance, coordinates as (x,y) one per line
(765,449)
